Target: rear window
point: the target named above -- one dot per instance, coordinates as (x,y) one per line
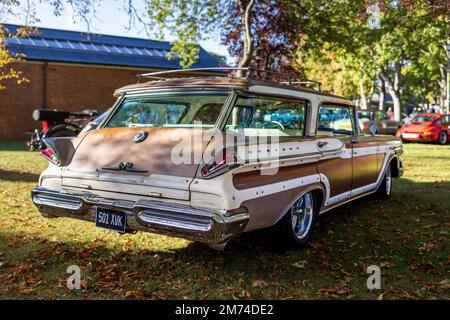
(169,110)
(424,118)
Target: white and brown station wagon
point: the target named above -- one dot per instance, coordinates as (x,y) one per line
(208,158)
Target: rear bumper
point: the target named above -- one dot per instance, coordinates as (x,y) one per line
(419,137)
(146,215)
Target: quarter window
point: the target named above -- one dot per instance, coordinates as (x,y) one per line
(335,119)
(268,116)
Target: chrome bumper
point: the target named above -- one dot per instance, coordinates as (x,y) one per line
(176,220)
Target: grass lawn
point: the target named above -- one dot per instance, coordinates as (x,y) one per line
(407,236)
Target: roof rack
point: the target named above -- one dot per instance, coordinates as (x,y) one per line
(317,83)
(250,73)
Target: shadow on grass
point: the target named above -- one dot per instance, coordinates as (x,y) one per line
(18,176)
(13,145)
(377,231)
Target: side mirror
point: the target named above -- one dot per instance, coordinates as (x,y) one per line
(373,129)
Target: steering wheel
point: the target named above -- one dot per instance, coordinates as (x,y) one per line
(279,124)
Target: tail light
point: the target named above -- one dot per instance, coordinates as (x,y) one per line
(223,161)
(50,153)
(51,156)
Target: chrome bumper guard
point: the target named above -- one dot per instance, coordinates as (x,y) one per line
(145,215)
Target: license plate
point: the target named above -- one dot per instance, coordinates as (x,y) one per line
(111,219)
(410,135)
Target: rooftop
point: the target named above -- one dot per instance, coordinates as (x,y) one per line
(79,47)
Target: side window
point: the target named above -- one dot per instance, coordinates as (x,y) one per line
(446,120)
(335,119)
(268,116)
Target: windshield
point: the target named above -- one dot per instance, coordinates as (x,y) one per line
(185,110)
(424,118)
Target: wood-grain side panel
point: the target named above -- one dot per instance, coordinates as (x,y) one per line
(255,178)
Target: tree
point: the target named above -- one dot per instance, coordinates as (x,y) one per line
(275,35)
(6,72)
(260,33)
(84,10)
(381,39)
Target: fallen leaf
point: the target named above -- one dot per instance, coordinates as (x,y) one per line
(83,284)
(300,264)
(387,264)
(259,284)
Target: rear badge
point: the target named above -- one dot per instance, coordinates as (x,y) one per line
(140,136)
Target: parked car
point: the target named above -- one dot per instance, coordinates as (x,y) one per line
(57,124)
(197,158)
(384,125)
(428,127)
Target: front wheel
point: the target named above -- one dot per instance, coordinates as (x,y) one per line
(443,138)
(297,225)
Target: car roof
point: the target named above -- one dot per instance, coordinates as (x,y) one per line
(218,82)
(431,114)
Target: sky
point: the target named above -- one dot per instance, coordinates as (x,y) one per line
(110,19)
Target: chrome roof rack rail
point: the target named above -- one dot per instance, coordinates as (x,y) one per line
(303,82)
(250,74)
(158,74)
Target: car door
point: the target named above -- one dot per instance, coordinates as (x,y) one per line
(365,161)
(335,131)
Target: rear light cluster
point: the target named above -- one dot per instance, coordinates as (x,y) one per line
(51,156)
(223,161)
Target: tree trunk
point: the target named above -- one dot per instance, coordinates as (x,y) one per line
(362,96)
(442,88)
(246,10)
(382,95)
(393,86)
(397,105)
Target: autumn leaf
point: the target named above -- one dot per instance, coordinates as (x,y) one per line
(259,284)
(83,284)
(387,264)
(300,264)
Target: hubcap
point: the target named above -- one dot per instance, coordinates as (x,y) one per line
(388,181)
(443,138)
(302,216)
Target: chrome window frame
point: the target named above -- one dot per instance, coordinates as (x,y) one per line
(356,131)
(124,96)
(237,93)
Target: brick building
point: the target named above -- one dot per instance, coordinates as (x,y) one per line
(73,71)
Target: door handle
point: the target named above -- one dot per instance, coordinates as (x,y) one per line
(322,144)
(354,140)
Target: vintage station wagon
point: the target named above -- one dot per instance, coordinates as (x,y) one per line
(208,158)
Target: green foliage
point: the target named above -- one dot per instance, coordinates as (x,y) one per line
(188,22)
(366,40)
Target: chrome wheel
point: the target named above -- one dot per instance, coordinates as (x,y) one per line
(388,181)
(302,216)
(442,138)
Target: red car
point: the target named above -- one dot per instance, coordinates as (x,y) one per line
(429,127)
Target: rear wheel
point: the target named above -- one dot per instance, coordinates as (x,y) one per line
(297,225)
(385,188)
(443,138)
